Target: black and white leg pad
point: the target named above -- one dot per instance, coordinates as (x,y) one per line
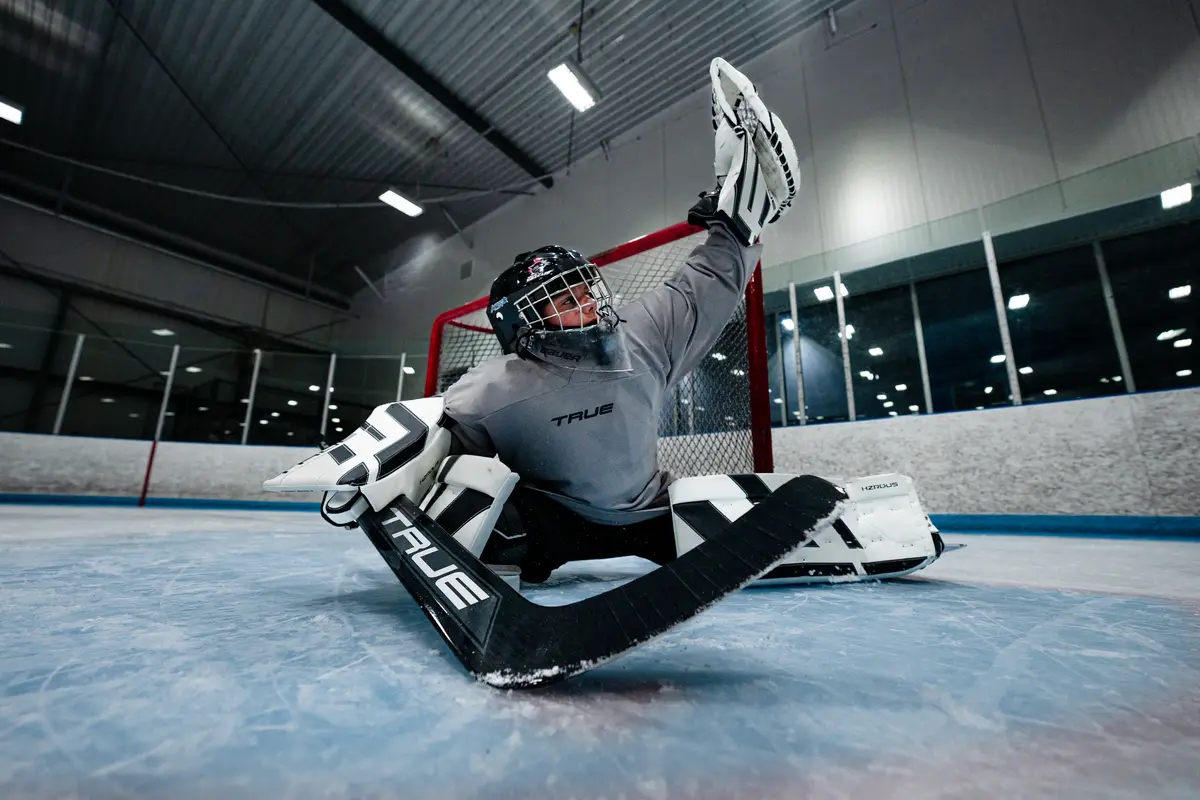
(467,497)
(884,532)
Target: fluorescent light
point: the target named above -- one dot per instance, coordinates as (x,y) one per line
(202,408)
(987,390)
(339,430)
(823,293)
(1183,342)
(245,400)
(787,324)
(5,346)
(107,400)
(881,397)
(1026,370)
(718,356)
(274,413)
(867,374)
(876,351)
(914,408)
(134,415)
(262,422)
(1104,380)
(1117,378)
(1050,392)
(1177,196)
(85,377)
(1183,373)
(332,407)
(574,85)
(163,332)
(1171,334)
(1018,301)
(779,400)
(1000,359)
(11,112)
(193,369)
(1180,292)
(312,387)
(292,403)
(290,433)
(335,420)
(409,371)
(401,203)
(900,387)
(893,414)
(888,404)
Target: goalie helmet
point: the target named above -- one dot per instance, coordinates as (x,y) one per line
(531,304)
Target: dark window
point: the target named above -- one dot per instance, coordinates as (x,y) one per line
(962,339)
(821,353)
(884,360)
(1059,325)
(1155,279)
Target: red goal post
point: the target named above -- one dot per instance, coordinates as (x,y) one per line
(717,420)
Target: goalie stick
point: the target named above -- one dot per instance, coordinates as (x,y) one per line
(505,640)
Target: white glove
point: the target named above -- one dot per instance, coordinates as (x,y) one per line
(755,162)
(396,452)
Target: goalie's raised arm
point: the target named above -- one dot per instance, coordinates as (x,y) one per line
(756,182)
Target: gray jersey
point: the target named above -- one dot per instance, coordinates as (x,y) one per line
(589,439)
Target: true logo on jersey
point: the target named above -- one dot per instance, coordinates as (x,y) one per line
(582,415)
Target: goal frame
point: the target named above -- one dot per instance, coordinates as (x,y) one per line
(756,336)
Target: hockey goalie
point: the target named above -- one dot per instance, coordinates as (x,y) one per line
(547,454)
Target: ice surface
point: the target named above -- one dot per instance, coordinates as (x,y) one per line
(181,654)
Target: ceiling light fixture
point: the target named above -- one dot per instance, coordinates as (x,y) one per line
(401,203)
(574,84)
(11,112)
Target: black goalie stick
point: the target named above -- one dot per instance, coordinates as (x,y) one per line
(507,641)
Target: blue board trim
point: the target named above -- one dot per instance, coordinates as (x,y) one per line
(1008,524)
(157,502)
(1068,525)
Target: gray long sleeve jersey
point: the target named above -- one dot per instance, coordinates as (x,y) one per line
(589,439)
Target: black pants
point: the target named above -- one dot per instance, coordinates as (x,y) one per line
(540,535)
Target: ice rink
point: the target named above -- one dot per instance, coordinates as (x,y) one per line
(191,654)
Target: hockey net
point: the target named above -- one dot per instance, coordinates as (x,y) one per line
(717,420)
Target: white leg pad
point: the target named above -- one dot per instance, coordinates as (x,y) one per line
(467,497)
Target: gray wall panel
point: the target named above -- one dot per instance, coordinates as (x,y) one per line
(979,133)
(867,176)
(1116,78)
(64,250)
(1124,455)
(799,232)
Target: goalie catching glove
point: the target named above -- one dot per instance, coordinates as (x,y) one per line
(755,163)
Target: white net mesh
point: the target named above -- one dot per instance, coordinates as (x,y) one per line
(705,425)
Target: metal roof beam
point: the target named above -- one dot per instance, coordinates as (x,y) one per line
(353,22)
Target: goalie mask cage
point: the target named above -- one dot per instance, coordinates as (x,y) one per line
(716,420)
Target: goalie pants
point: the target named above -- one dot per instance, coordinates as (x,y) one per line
(539,535)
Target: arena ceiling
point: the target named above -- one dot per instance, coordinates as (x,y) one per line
(307,110)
